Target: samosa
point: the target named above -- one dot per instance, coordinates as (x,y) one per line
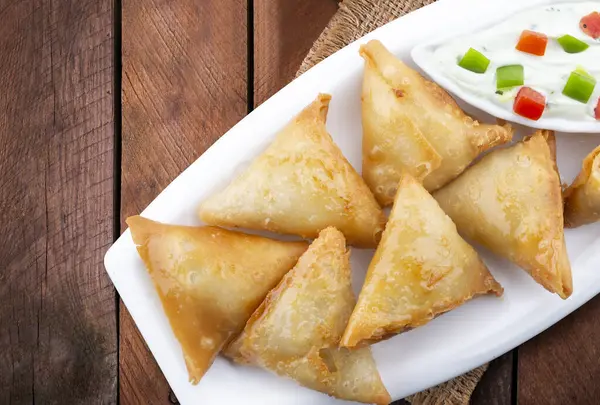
(412,124)
(510,202)
(422,268)
(209,280)
(582,198)
(300,184)
(296,331)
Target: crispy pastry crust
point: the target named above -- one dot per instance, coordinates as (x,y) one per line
(510,201)
(422,268)
(209,280)
(300,184)
(411,123)
(582,198)
(296,330)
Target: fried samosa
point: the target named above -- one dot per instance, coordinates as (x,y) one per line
(209,280)
(300,185)
(422,268)
(510,202)
(296,331)
(582,198)
(411,123)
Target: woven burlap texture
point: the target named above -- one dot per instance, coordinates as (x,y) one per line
(354,19)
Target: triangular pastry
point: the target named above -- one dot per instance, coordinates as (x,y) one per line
(295,332)
(582,198)
(510,201)
(411,123)
(422,268)
(209,280)
(300,185)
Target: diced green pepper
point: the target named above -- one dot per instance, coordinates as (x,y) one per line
(509,76)
(474,61)
(571,44)
(580,86)
(580,69)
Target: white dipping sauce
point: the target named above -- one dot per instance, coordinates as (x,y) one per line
(547,74)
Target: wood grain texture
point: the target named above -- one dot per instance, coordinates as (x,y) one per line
(495,387)
(284,31)
(58,342)
(562,365)
(184,85)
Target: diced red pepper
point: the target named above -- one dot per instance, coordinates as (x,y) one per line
(532,42)
(597,110)
(529,103)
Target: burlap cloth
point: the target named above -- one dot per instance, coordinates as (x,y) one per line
(354,19)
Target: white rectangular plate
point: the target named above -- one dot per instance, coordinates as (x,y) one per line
(448,346)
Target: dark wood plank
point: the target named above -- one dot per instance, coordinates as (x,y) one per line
(495,387)
(184,85)
(562,365)
(284,31)
(58,342)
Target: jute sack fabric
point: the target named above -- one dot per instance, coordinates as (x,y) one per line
(354,19)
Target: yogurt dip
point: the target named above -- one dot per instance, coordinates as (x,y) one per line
(547,74)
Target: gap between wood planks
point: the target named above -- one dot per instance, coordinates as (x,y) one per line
(118,117)
(250,57)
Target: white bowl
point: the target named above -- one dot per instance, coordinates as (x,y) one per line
(422,55)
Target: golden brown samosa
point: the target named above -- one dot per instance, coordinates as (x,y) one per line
(510,201)
(209,280)
(582,198)
(300,185)
(411,123)
(422,268)
(296,331)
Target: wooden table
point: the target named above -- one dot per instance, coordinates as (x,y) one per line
(103,104)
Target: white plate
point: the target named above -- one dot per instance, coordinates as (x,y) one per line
(448,346)
(493,15)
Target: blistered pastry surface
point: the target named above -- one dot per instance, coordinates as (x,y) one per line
(209,280)
(510,202)
(300,184)
(297,329)
(413,124)
(582,198)
(421,268)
